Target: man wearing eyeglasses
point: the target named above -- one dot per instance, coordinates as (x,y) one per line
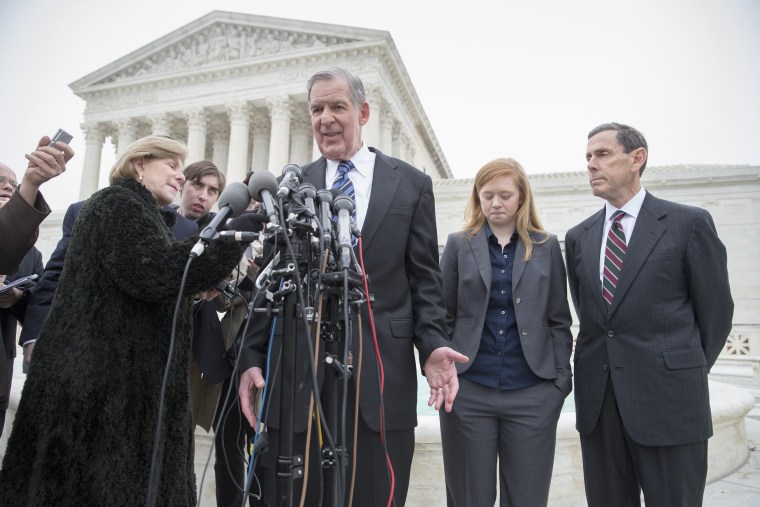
(12,299)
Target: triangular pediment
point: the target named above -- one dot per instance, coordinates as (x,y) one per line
(222,39)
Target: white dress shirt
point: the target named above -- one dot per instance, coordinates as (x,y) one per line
(632,209)
(364,162)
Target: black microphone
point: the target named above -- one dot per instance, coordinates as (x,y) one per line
(262,185)
(344,205)
(242,236)
(325,200)
(309,192)
(233,201)
(291,175)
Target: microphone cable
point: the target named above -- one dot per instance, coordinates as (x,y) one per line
(381,379)
(152,492)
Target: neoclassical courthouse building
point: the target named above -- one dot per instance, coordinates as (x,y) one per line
(232,86)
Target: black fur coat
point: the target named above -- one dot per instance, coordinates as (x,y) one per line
(84,430)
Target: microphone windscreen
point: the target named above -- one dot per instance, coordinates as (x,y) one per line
(325,195)
(343,202)
(262,180)
(308,190)
(236,197)
(292,168)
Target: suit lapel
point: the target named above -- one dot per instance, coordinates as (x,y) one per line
(385,182)
(315,174)
(646,234)
(591,247)
(479,246)
(518,267)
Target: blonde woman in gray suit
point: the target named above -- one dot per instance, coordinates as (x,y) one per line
(507,309)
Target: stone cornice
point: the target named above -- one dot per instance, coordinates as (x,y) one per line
(682,175)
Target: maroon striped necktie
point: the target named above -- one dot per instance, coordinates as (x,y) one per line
(614,254)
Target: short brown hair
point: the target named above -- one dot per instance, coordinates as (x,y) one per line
(197,170)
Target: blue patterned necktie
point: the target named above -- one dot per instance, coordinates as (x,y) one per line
(343,183)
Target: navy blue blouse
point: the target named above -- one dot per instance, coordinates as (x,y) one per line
(500,361)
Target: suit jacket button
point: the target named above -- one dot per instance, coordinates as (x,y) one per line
(525,332)
(517,301)
(604,368)
(610,333)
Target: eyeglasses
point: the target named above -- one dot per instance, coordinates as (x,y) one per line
(5,180)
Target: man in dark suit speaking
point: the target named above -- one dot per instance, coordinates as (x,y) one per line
(649,282)
(395,212)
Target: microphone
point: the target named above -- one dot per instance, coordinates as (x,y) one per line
(344,206)
(309,192)
(291,175)
(242,236)
(325,199)
(233,201)
(262,186)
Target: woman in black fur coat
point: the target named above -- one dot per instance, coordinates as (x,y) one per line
(84,430)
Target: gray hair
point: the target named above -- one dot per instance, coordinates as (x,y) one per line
(628,137)
(355,85)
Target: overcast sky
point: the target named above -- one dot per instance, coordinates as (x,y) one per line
(519,78)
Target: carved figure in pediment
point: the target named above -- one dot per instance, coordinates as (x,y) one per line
(186,55)
(217,46)
(146,67)
(288,44)
(201,50)
(318,43)
(234,43)
(252,45)
(170,61)
(271,45)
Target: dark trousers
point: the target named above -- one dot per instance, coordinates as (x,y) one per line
(519,427)
(6,370)
(230,439)
(372,476)
(616,469)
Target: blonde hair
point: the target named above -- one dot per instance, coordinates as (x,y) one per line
(526,219)
(147,147)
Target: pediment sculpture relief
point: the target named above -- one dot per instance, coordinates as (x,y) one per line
(222,43)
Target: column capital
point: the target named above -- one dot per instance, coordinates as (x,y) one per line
(279,107)
(94,132)
(126,126)
(161,124)
(197,116)
(239,111)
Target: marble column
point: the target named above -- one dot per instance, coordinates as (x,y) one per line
(220,139)
(126,129)
(410,149)
(261,139)
(371,131)
(300,146)
(197,127)
(386,130)
(279,143)
(396,137)
(240,127)
(161,124)
(94,137)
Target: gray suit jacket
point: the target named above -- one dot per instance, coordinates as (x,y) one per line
(539,291)
(669,320)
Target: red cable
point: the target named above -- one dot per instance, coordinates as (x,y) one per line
(380,367)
